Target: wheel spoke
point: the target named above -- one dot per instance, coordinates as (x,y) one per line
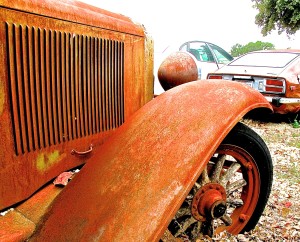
(196,230)
(235,186)
(207,228)
(229,173)
(182,212)
(187,223)
(235,202)
(226,219)
(204,179)
(168,237)
(218,168)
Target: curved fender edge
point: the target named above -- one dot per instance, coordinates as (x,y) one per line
(138,179)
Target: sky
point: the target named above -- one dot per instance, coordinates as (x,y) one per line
(222,22)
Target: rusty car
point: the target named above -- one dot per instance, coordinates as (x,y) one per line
(274,73)
(88,153)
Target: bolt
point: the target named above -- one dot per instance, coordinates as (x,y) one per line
(243,217)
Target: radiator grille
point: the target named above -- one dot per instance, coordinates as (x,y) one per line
(63,86)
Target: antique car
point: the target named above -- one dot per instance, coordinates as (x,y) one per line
(87,153)
(274,73)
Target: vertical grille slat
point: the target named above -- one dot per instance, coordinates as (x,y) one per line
(48,86)
(32,88)
(81,87)
(88,94)
(102,90)
(43,88)
(20,88)
(77,61)
(58,86)
(92,98)
(63,89)
(109,83)
(14,91)
(68,96)
(63,86)
(106,84)
(84,79)
(27,87)
(73,75)
(53,86)
(38,87)
(113,75)
(100,78)
(96,87)
(119,85)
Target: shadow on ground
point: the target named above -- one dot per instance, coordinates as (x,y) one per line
(274,117)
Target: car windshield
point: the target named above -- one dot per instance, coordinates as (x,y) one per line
(222,56)
(265,59)
(207,52)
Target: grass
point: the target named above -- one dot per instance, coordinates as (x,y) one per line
(292,173)
(295,142)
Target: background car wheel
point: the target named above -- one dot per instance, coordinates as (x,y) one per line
(231,192)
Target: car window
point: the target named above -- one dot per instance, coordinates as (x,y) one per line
(200,50)
(222,56)
(265,59)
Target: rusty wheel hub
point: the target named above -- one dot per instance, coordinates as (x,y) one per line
(209,202)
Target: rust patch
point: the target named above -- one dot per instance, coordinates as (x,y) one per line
(2,96)
(45,161)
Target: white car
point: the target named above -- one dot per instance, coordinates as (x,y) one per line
(274,73)
(209,57)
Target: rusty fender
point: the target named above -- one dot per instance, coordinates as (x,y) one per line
(138,179)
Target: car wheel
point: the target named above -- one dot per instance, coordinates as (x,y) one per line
(230,194)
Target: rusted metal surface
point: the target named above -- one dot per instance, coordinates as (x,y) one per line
(77,12)
(18,224)
(71,75)
(206,199)
(134,184)
(15,227)
(178,68)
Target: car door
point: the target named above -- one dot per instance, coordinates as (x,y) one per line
(209,57)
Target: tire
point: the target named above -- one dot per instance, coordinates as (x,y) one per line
(241,135)
(232,191)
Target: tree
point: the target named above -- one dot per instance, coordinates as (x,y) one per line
(239,49)
(283,15)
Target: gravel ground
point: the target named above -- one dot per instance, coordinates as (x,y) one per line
(281,218)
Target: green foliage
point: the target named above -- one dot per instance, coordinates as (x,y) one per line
(283,15)
(239,49)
